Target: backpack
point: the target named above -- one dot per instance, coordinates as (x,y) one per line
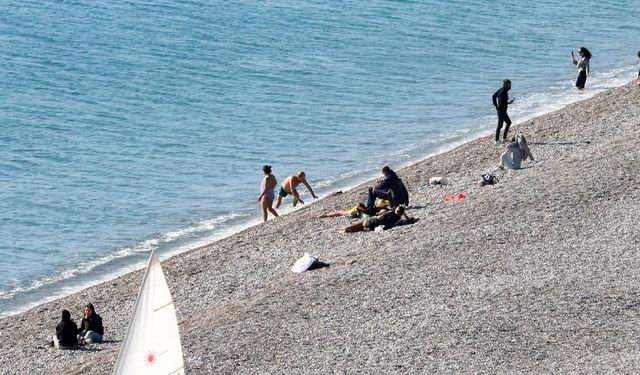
(488,179)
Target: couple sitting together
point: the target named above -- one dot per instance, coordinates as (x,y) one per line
(68,336)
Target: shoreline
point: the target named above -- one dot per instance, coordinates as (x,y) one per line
(112,273)
(244,282)
(251,222)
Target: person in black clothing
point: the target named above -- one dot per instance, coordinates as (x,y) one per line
(92,329)
(501,102)
(388,220)
(66,332)
(383,187)
(638,70)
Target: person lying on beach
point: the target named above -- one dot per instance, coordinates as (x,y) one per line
(66,331)
(387,220)
(92,329)
(382,189)
(360,211)
(267,193)
(289,187)
(512,157)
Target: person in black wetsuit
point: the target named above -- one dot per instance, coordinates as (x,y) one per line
(501,102)
(638,70)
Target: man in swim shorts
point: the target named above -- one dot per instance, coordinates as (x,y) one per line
(289,187)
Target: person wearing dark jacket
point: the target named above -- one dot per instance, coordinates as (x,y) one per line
(387,220)
(382,189)
(66,332)
(92,329)
(501,101)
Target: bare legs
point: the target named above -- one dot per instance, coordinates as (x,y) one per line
(335,214)
(357,227)
(267,206)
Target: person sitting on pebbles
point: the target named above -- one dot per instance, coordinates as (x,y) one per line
(66,331)
(91,329)
(516,151)
(387,220)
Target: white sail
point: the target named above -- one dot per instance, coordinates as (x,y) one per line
(152,344)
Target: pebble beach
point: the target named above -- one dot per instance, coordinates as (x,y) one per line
(536,274)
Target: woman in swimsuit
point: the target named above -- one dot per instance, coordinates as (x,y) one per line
(267,193)
(582,65)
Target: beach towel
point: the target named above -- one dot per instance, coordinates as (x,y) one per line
(304,263)
(454,197)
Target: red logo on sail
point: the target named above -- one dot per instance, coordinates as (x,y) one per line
(150,358)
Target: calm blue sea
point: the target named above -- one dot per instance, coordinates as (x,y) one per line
(132,125)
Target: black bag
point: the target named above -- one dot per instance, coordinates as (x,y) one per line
(488,179)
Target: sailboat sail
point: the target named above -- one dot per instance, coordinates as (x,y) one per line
(152,344)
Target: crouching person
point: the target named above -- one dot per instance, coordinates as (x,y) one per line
(91,329)
(512,157)
(517,151)
(66,332)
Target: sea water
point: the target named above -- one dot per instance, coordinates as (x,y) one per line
(133,125)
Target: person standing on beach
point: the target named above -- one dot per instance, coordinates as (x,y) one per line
(582,66)
(267,193)
(91,329)
(66,332)
(289,187)
(501,101)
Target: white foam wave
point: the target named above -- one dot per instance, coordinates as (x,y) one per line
(216,227)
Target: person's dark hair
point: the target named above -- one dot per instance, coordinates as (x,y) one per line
(586,52)
(386,169)
(506,82)
(66,315)
(638,53)
(266,169)
(90,306)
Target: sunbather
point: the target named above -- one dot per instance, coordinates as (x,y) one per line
(359,211)
(388,219)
